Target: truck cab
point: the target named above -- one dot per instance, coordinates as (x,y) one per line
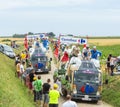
(86,82)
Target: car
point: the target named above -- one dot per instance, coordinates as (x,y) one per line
(7,50)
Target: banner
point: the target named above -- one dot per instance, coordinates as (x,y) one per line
(71,40)
(35,36)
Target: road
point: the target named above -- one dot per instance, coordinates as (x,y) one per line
(62,100)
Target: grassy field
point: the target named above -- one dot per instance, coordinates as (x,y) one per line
(12,92)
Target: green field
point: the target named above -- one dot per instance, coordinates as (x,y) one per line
(13,93)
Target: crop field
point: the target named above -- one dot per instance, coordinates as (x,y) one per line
(8,40)
(98,42)
(104,42)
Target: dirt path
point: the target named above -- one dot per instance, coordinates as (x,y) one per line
(61,100)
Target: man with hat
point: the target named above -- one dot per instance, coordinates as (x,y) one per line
(54,96)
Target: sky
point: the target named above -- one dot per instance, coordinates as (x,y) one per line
(77,17)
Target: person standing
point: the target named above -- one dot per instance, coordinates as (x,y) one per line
(69,103)
(112,64)
(54,96)
(46,88)
(38,90)
(18,69)
(31,76)
(108,63)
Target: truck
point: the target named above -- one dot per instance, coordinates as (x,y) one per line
(83,83)
(40,61)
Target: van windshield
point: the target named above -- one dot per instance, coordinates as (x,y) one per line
(41,58)
(85,77)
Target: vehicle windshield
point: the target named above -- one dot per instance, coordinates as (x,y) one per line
(7,48)
(39,50)
(40,58)
(88,65)
(85,77)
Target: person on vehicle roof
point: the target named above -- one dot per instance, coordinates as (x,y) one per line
(95,53)
(86,52)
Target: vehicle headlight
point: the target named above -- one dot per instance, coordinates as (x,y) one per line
(98,93)
(46,67)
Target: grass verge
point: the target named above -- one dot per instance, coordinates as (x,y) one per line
(13,93)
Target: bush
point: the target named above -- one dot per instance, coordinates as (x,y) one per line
(6,40)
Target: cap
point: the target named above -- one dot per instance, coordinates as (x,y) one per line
(55,86)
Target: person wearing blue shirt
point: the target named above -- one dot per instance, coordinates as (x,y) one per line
(45,43)
(95,53)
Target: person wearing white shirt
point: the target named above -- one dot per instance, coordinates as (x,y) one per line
(22,67)
(69,103)
(75,60)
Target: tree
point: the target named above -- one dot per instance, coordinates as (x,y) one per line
(30,33)
(51,34)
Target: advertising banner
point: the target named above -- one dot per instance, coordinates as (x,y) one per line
(71,40)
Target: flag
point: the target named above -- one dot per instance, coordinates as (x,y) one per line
(26,42)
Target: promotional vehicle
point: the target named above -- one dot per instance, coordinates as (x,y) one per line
(7,50)
(84,83)
(40,61)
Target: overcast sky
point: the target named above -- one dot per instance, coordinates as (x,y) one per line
(77,17)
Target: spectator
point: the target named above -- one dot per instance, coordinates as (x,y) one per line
(46,88)
(112,64)
(23,56)
(17,58)
(54,96)
(31,76)
(69,103)
(18,69)
(58,82)
(22,70)
(38,91)
(34,92)
(108,63)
